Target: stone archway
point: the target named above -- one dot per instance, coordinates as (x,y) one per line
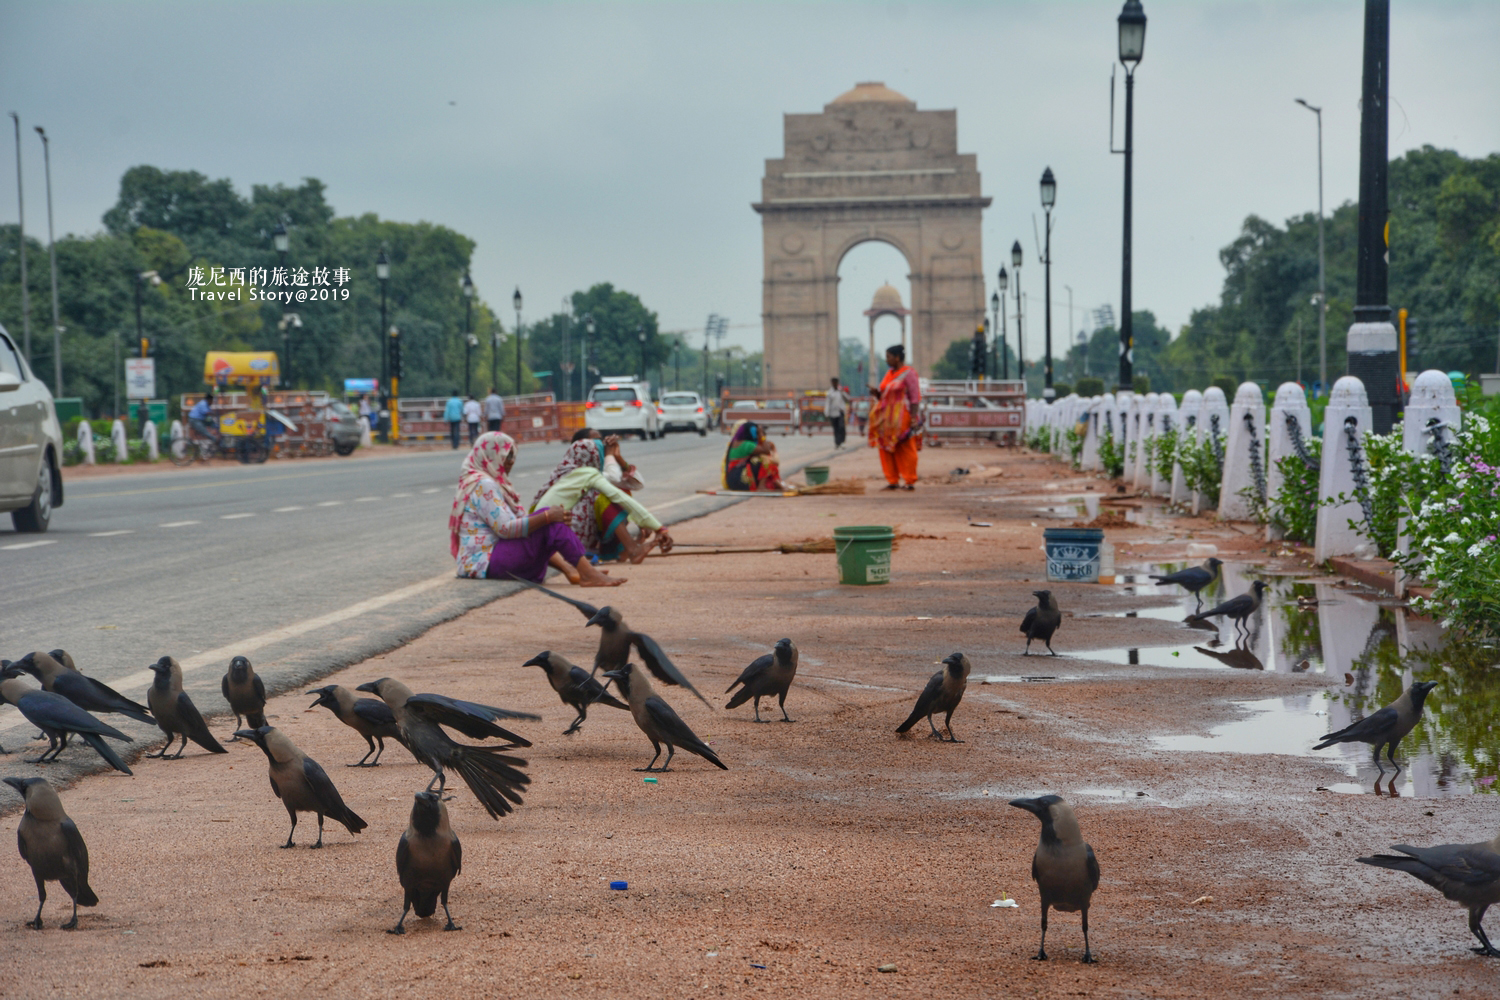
(870,167)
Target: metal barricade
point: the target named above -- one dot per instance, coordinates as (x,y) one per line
(988,409)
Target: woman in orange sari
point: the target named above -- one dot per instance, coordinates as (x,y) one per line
(894,421)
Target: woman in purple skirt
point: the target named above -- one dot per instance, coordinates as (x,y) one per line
(491,535)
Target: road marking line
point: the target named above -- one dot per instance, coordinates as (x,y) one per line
(365,499)
(331,503)
(285,510)
(219,657)
(231,517)
(432,490)
(178,524)
(395,496)
(28,545)
(111,534)
(673,503)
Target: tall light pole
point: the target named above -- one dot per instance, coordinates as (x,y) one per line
(467,284)
(640,332)
(1003,282)
(383,275)
(1015,265)
(57,382)
(516,301)
(1322,287)
(1069,340)
(21,231)
(282,240)
(1132,24)
(583,358)
(995,328)
(1049,197)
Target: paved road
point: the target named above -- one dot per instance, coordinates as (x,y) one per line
(302,566)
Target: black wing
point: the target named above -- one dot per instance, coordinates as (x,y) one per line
(1092,867)
(91,695)
(924,702)
(588,610)
(1194,578)
(79,852)
(330,802)
(676,732)
(1369,728)
(1235,606)
(375,712)
(1028,621)
(757,667)
(260,689)
(52,711)
(660,666)
(1471,864)
(224,687)
(590,690)
(469,718)
(194,726)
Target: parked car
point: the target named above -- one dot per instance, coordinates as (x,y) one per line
(684,410)
(343,428)
(30,443)
(621,405)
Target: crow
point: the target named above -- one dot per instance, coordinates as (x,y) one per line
(1064,867)
(1237,608)
(767,675)
(50,843)
(1468,874)
(1041,621)
(1387,727)
(658,721)
(57,718)
(574,686)
(60,677)
(428,858)
(942,694)
(1193,579)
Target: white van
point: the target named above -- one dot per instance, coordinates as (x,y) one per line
(30,443)
(622,405)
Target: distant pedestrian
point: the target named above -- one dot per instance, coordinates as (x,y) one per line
(494,410)
(453,412)
(364,409)
(836,407)
(472,412)
(895,422)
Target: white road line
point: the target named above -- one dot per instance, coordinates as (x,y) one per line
(28,545)
(111,534)
(673,503)
(432,490)
(331,503)
(365,499)
(178,524)
(233,517)
(217,658)
(397,496)
(285,510)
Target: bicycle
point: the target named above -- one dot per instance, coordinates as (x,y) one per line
(248,450)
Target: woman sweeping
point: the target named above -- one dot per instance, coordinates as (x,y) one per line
(600,508)
(893,420)
(492,535)
(750,461)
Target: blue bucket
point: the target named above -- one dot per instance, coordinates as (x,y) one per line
(1073,554)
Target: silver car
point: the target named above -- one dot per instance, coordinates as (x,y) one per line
(30,443)
(684,410)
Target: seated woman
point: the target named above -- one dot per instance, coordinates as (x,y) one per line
(600,508)
(492,535)
(750,462)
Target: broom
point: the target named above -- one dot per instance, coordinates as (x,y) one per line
(836,487)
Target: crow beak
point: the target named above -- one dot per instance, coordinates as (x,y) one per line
(368,686)
(539,660)
(598,619)
(1030,805)
(19,784)
(614,674)
(253,735)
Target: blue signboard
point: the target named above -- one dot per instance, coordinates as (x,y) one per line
(361,384)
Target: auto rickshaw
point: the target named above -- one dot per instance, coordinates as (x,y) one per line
(244,430)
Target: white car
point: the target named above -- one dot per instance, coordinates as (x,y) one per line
(30,443)
(682,409)
(621,406)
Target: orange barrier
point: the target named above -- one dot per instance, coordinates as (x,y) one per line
(531,418)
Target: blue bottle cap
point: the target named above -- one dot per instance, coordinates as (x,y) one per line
(619,885)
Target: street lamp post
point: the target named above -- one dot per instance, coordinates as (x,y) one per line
(583,357)
(21,234)
(1002,282)
(640,332)
(57,382)
(383,275)
(1322,287)
(995,328)
(140,282)
(467,284)
(1132,25)
(1049,197)
(516,301)
(470,342)
(1072,370)
(283,241)
(1015,265)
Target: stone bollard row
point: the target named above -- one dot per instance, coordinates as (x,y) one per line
(119,440)
(1346,421)
(1432,421)
(1213,426)
(1244,457)
(86,441)
(1290,422)
(1187,430)
(153,450)
(1166,423)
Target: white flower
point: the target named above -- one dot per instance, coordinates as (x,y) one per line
(1477,548)
(1464,522)
(1452,538)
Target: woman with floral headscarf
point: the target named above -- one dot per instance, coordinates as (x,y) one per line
(750,460)
(491,534)
(599,505)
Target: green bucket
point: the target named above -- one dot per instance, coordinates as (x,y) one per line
(816,475)
(864,553)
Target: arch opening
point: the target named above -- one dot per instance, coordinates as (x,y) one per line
(865,271)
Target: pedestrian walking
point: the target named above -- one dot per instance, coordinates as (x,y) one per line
(894,420)
(836,407)
(494,410)
(364,409)
(453,412)
(472,413)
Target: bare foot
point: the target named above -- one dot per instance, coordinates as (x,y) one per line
(639,553)
(591,577)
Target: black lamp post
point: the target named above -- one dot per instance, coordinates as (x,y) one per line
(470,342)
(640,332)
(1003,282)
(1015,265)
(583,360)
(282,241)
(1132,22)
(468,288)
(516,301)
(383,275)
(1049,197)
(995,328)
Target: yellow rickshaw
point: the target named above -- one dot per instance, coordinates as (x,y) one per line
(243,426)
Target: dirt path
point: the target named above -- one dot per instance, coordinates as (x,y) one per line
(830,848)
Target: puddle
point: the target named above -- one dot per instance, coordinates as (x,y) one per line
(1368,652)
(1027,678)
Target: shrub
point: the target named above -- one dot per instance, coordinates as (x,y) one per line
(1164,453)
(1202,466)
(1111,456)
(1089,387)
(1040,438)
(1141,384)
(1073,441)
(1062,389)
(1295,507)
(1225,382)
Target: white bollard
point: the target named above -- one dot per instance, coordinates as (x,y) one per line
(176,433)
(1166,422)
(1146,421)
(153,450)
(1244,456)
(365,440)
(1213,428)
(1432,420)
(86,441)
(118,439)
(1091,431)
(1122,422)
(1109,422)
(1187,430)
(1348,406)
(1289,410)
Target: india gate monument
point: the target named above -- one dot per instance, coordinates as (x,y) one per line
(869,167)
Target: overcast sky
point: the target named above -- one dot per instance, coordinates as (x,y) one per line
(625,141)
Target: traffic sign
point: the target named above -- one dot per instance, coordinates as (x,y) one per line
(140,378)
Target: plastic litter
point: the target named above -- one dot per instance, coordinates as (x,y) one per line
(754,966)
(712,954)
(1006,902)
(652,781)
(619,885)
(1202,899)
(888,967)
